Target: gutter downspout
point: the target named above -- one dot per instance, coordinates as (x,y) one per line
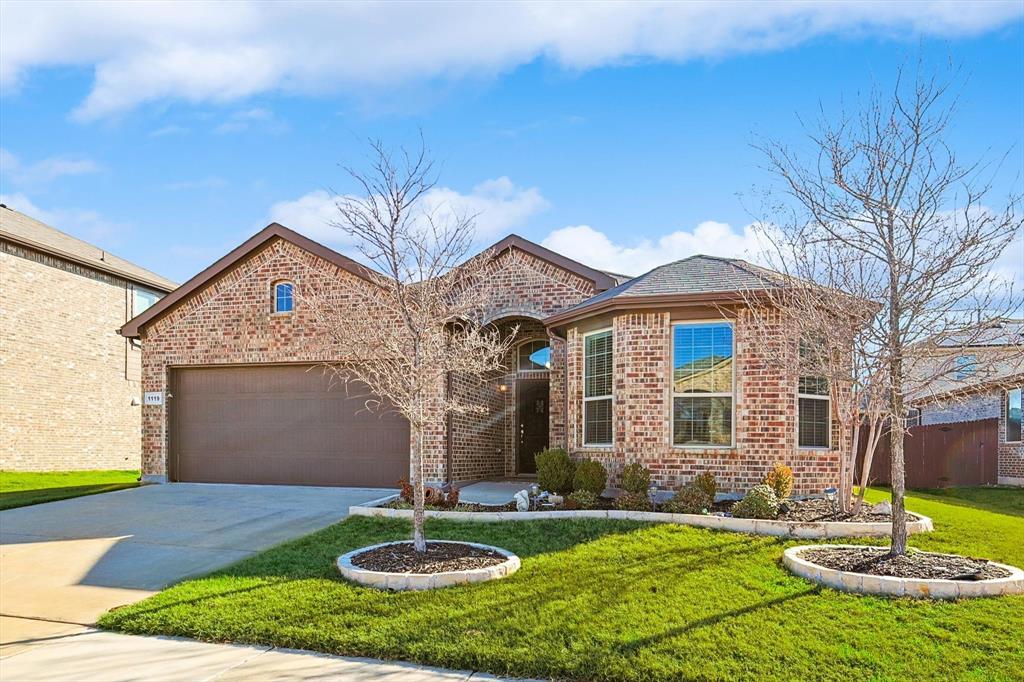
(448,430)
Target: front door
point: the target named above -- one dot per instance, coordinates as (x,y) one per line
(532,418)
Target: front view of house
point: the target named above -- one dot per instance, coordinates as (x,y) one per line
(661,369)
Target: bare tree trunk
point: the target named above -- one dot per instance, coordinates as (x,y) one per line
(865,468)
(416,476)
(899,512)
(849,468)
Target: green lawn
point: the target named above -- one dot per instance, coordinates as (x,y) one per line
(19,489)
(612,601)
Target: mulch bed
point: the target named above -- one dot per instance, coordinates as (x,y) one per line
(816,509)
(440,557)
(878,561)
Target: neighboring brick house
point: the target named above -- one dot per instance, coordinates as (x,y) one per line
(610,368)
(980,377)
(69,383)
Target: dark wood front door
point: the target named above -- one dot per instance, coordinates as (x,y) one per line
(532,418)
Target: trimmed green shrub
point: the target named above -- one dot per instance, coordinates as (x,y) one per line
(590,475)
(636,478)
(760,502)
(706,482)
(554,470)
(633,502)
(581,499)
(689,499)
(780,480)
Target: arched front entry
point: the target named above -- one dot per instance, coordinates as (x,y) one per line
(532,403)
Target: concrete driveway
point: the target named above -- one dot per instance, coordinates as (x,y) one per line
(71,561)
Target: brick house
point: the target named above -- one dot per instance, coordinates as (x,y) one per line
(981,380)
(69,383)
(659,369)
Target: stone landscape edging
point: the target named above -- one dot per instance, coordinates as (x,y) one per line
(918,588)
(811,530)
(383,580)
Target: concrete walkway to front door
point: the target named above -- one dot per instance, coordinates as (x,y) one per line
(492,492)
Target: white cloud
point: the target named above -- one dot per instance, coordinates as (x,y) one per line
(592,247)
(257,117)
(45,170)
(499,206)
(219,52)
(82,223)
(169,130)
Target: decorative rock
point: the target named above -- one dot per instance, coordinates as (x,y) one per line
(522,499)
(882,508)
(382,580)
(919,588)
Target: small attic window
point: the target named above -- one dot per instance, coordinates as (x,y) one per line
(284,297)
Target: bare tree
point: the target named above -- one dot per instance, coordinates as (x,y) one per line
(418,316)
(883,208)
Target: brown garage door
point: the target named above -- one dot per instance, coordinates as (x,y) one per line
(281,424)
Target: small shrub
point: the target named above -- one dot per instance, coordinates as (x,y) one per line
(636,478)
(633,502)
(780,480)
(406,492)
(554,470)
(690,499)
(706,482)
(590,475)
(581,499)
(760,502)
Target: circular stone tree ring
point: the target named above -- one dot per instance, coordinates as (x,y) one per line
(383,580)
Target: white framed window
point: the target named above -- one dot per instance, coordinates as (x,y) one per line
(703,384)
(1013,414)
(597,388)
(284,297)
(814,409)
(534,355)
(142,299)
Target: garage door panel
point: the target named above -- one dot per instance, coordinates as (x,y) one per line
(281,425)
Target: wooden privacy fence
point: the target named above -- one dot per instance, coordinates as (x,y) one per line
(942,455)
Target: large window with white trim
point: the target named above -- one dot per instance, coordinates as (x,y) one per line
(597,388)
(702,384)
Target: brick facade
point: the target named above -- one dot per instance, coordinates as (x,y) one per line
(765,406)
(67,378)
(230,322)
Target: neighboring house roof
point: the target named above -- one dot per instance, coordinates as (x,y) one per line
(26,231)
(253,243)
(1005,332)
(698,277)
(601,279)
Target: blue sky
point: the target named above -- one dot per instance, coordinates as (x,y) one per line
(622,140)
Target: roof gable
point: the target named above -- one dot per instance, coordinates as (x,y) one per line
(248,247)
(602,280)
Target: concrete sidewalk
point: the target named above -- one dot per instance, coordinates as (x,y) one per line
(43,650)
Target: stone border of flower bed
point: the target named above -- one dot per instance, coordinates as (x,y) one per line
(383,580)
(919,588)
(811,530)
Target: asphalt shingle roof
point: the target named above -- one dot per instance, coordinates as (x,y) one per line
(20,228)
(694,275)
